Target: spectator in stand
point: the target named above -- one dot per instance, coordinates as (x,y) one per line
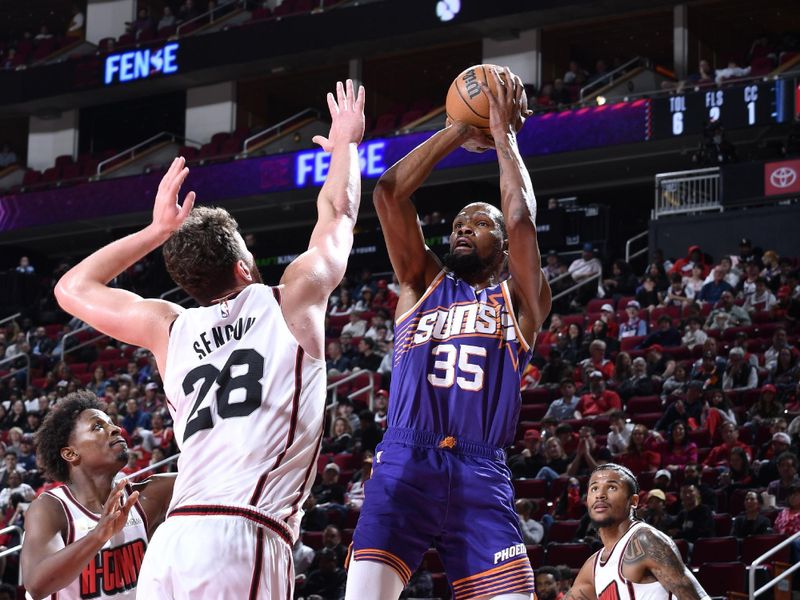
(764,412)
(336,362)
(368,435)
(747,285)
(357,326)
(167,18)
(677,294)
(17,417)
(623,368)
(659,275)
(655,513)
(187,11)
(684,265)
(532,530)
(694,282)
(660,366)
(529,462)
(647,295)
(553,267)
(143,23)
(556,326)
(786,373)
(574,75)
(709,372)
(779,341)
(695,520)
(560,94)
(329,493)
(677,450)
(716,412)
(732,275)
(76,23)
(364,302)
(44,34)
(622,281)
(600,74)
(748,254)
(739,375)
(328,580)
(665,335)
(712,291)
(675,384)
(26,455)
(598,333)
(346,410)
(354,497)
(619,432)
(704,75)
(7,156)
(596,362)
(771,271)
(315,518)
(344,304)
(720,455)
(381,409)
(787,478)
(762,300)
(135,417)
(634,326)
(788,520)
(377,328)
(557,460)
(367,359)
(14,485)
(555,370)
(694,336)
(638,458)
(639,382)
(162,436)
(588,455)
(340,439)
(751,521)
(302,557)
(564,407)
(581,269)
(607,316)
(688,409)
(10,466)
(546,580)
(573,344)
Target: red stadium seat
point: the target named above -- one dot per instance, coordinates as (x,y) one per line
(756,545)
(563,531)
(536,554)
(643,404)
(433,562)
(313,539)
(715,549)
(539,395)
(441,588)
(532,412)
(722,524)
(629,343)
(572,555)
(720,578)
(530,488)
(683,548)
(596,304)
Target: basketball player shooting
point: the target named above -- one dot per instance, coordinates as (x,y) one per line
(87,538)
(244,374)
(462,339)
(637,562)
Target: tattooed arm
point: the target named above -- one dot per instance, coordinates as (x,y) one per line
(583,586)
(651,554)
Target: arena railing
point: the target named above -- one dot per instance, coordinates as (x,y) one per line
(368,389)
(596,277)
(13,549)
(631,255)
(752,591)
(89,342)
(276,129)
(148,468)
(173,291)
(10,318)
(208,17)
(13,359)
(683,192)
(130,153)
(609,77)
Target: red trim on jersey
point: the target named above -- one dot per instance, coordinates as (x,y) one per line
(311,465)
(139,508)
(298,386)
(276,291)
(255,581)
(630,589)
(290,581)
(235,511)
(70,526)
(602,562)
(81,507)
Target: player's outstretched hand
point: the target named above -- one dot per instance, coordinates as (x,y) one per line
(168,214)
(508,106)
(347,117)
(115,513)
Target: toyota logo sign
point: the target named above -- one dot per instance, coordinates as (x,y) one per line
(783,177)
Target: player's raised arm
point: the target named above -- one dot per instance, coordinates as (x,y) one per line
(583,585)
(658,554)
(47,564)
(310,279)
(414,265)
(84,293)
(528,284)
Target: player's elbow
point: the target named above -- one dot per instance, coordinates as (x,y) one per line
(34,584)
(383,194)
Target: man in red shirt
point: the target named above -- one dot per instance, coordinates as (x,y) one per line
(599,401)
(719,455)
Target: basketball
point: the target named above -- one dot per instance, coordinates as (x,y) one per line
(466,101)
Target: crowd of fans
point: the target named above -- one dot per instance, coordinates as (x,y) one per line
(687,373)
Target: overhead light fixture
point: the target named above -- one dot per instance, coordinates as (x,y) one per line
(600,100)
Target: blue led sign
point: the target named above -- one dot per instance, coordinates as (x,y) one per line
(141,64)
(312,167)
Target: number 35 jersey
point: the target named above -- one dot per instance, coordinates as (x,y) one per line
(248,407)
(457,364)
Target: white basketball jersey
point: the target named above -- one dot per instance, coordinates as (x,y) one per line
(609,583)
(248,407)
(114,571)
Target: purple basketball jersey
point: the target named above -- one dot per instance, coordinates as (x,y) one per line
(458,360)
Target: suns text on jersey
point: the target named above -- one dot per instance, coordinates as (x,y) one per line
(474,318)
(221,335)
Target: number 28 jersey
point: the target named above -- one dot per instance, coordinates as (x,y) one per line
(248,407)
(458,360)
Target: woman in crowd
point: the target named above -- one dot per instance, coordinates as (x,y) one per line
(99,382)
(677,450)
(766,410)
(739,474)
(341,438)
(344,306)
(751,521)
(786,372)
(675,383)
(638,458)
(717,410)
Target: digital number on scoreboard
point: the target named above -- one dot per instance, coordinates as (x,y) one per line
(755,104)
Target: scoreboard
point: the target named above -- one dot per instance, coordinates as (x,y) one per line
(754,104)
